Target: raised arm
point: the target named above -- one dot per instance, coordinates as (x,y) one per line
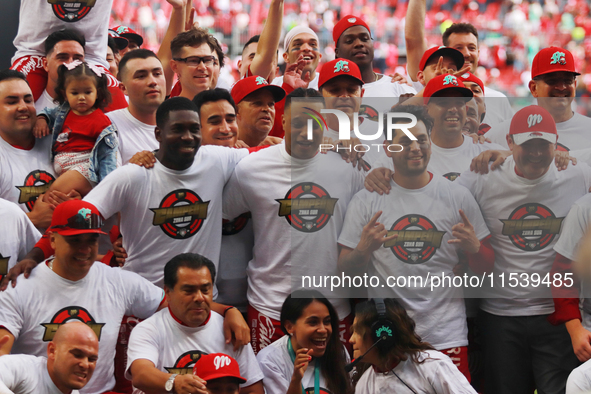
(175,26)
(414,35)
(263,61)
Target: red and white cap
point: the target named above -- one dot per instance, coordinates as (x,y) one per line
(217,365)
(336,68)
(445,83)
(130,34)
(249,85)
(75,217)
(533,122)
(553,59)
(469,77)
(347,22)
(453,53)
(121,42)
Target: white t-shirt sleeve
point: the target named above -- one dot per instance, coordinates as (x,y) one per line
(358,215)
(109,195)
(579,380)
(141,296)
(274,379)
(143,344)
(447,379)
(472,211)
(574,227)
(249,368)
(10,316)
(15,374)
(234,203)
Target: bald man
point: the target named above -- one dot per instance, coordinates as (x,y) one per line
(71,359)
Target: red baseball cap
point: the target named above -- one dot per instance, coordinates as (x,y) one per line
(553,59)
(217,365)
(453,53)
(338,67)
(246,86)
(445,82)
(469,77)
(75,217)
(533,122)
(121,42)
(347,22)
(130,34)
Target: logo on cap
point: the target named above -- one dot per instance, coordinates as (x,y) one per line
(341,65)
(450,79)
(465,75)
(85,213)
(261,81)
(221,361)
(351,20)
(558,58)
(533,120)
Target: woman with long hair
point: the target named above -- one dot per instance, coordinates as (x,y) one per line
(394,358)
(310,358)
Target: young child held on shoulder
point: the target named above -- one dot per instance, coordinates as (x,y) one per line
(84,146)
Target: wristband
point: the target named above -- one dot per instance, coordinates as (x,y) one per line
(226,310)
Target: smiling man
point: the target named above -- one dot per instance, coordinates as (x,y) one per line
(72,287)
(255,104)
(523,203)
(69,365)
(164,348)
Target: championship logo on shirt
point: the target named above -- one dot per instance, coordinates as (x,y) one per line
(452,176)
(72,10)
(231,227)
(368,112)
(67,314)
(307,207)
(181,214)
(184,364)
(532,226)
(3,266)
(36,183)
(418,239)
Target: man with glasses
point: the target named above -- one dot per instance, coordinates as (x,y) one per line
(553,84)
(197,58)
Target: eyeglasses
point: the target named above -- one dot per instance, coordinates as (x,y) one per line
(194,61)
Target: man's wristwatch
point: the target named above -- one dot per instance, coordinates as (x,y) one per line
(169,385)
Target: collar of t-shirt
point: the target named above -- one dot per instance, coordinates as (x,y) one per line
(176,319)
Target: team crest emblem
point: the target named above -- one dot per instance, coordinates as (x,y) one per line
(307,207)
(451,176)
(231,227)
(36,182)
(67,314)
(558,58)
(184,364)
(341,66)
(531,227)
(418,239)
(450,80)
(181,214)
(261,81)
(71,11)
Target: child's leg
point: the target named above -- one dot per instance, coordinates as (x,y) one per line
(69,180)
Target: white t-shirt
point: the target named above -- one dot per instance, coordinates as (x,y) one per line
(423,219)
(25,174)
(448,162)
(174,348)
(164,210)
(278,81)
(19,236)
(575,225)
(524,217)
(134,135)
(277,367)
(436,375)
(34,310)
(24,374)
(579,380)
(572,134)
(498,108)
(266,184)
(382,94)
(39,18)
(44,101)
